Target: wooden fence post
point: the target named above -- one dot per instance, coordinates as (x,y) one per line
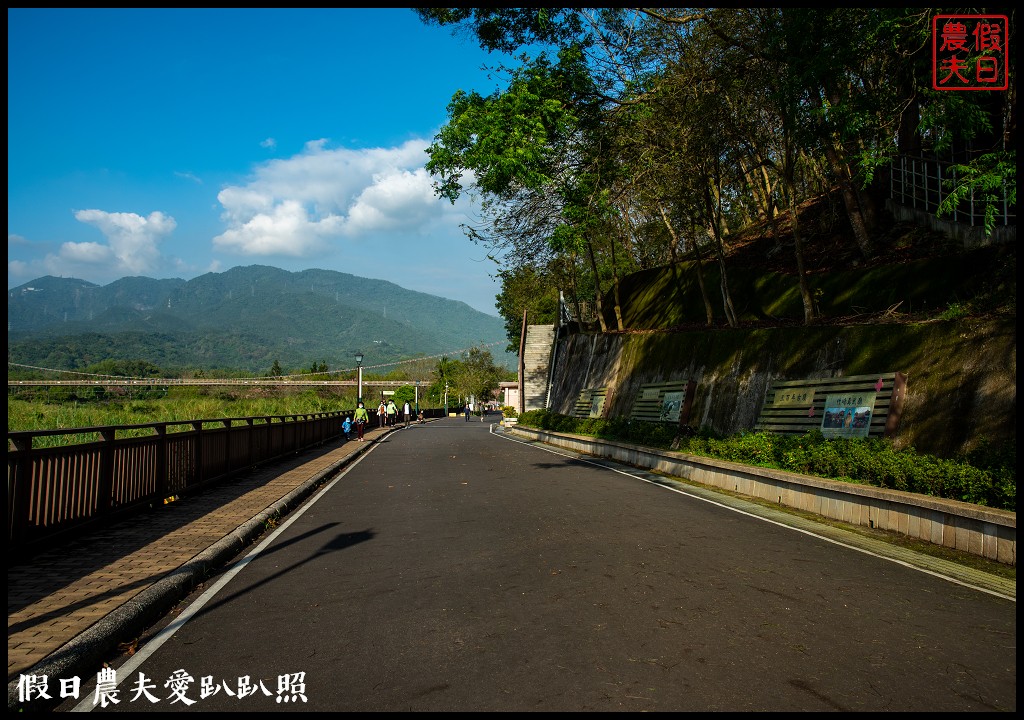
(162,489)
(21,502)
(250,431)
(105,494)
(199,472)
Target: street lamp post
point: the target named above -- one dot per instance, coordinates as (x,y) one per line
(359,377)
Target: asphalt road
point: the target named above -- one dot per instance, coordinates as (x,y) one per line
(454,569)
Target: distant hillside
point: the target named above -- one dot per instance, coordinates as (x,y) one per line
(244,318)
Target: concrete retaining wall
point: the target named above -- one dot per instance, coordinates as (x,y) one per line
(961,375)
(970,528)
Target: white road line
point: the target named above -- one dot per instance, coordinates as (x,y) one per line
(580,458)
(129,668)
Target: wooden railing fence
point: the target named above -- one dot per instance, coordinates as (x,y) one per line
(57,492)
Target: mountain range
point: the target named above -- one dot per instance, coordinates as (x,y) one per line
(245,318)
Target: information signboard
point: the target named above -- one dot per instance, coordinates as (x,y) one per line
(671,404)
(847,414)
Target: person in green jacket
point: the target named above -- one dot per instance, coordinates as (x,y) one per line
(361,418)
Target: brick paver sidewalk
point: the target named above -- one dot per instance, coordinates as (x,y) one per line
(59,594)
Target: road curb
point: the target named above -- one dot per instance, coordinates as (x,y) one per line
(87,651)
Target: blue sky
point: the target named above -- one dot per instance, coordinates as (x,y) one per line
(176,142)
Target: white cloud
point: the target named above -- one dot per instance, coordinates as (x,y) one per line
(284,229)
(189,176)
(86,252)
(17,269)
(131,248)
(298,206)
(370,212)
(394,200)
(270,143)
(132,241)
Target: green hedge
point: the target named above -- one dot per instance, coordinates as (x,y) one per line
(988,476)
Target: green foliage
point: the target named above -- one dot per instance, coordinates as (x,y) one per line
(955,311)
(185,405)
(405,394)
(608,154)
(476,374)
(509,411)
(508,29)
(987,476)
(989,180)
(526,289)
(506,139)
(126,368)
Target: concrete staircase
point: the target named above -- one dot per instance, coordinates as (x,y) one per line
(540,340)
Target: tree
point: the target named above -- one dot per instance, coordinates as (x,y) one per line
(126,368)
(657,132)
(525,289)
(476,375)
(444,380)
(538,139)
(276,370)
(404,394)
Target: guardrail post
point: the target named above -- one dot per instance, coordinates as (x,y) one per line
(199,473)
(21,502)
(250,429)
(228,465)
(105,495)
(162,489)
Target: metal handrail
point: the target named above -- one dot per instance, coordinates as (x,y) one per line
(921,183)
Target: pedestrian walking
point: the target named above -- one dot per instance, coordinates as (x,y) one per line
(407,412)
(347,427)
(392,413)
(382,413)
(466,410)
(361,418)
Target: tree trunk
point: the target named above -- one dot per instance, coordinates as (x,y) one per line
(810,311)
(597,288)
(574,283)
(715,216)
(618,304)
(708,309)
(616,299)
(721,226)
(850,199)
(841,169)
(673,246)
(757,190)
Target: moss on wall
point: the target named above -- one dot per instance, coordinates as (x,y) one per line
(961,385)
(961,373)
